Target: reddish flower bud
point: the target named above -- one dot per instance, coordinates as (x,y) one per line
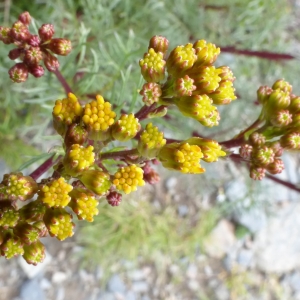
(34,41)
(151,92)
(114,198)
(151,177)
(257,139)
(36,70)
(263,156)
(60,46)
(18,73)
(263,94)
(276,147)
(5,35)
(257,173)
(46,32)
(33,56)
(291,141)
(281,118)
(19,32)
(25,18)
(159,44)
(76,134)
(51,62)
(15,53)
(276,167)
(246,151)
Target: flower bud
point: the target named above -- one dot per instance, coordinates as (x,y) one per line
(98,118)
(34,253)
(60,46)
(196,107)
(182,157)
(184,86)
(65,112)
(76,134)
(33,56)
(159,44)
(15,53)
(9,217)
(224,94)
(276,167)
(153,66)
(11,247)
(33,211)
(127,179)
(18,73)
(181,59)
(211,149)
(151,93)
(295,104)
(27,233)
(226,74)
(18,187)
(150,176)
(207,53)
(291,141)
(59,223)
(114,198)
(151,141)
(206,79)
(257,139)
(281,118)
(19,32)
(84,204)
(25,18)
(78,159)
(263,156)
(278,99)
(263,94)
(125,128)
(257,173)
(246,151)
(96,181)
(36,70)
(282,85)
(34,41)
(5,36)
(51,62)
(55,193)
(276,147)
(46,31)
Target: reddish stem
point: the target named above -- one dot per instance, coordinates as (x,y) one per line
(119,154)
(284,183)
(63,81)
(261,54)
(44,167)
(144,111)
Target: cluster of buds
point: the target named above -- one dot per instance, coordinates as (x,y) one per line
(193,84)
(32,49)
(280,130)
(83,175)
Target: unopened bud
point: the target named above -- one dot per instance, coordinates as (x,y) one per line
(34,41)
(114,198)
(18,73)
(51,62)
(25,18)
(46,32)
(60,46)
(36,70)
(159,44)
(15,53)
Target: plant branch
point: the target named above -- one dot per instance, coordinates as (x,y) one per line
(119,154)
(44,167)
(63,82)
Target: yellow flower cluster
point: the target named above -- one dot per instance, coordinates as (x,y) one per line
(126,128)
(55,193)
(127,179)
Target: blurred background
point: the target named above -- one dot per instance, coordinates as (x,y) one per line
(214,236)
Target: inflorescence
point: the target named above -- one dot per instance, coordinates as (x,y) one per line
(186,78)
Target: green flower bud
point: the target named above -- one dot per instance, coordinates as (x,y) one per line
(96,181)
(34,253)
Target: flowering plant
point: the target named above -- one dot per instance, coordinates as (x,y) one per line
(91,169)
